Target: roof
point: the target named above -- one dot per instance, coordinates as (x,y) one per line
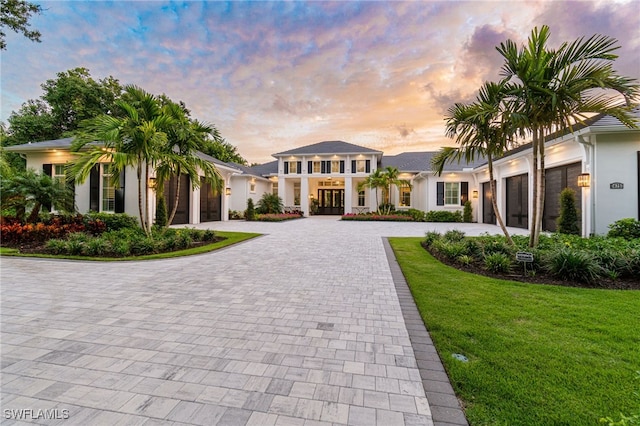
(421,162)
(266,169)
(329,147)
(215,161)
(41,146)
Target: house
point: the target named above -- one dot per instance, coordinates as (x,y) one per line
(599,159)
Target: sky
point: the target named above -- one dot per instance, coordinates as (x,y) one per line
(272,76)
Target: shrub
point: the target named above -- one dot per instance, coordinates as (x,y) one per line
(417,215)
(568,220)
(387,207)
(161,212)
(120,248)
(498,263)
(96,247)
(235,215)
(443,216)
(208,235)
(250,213)
(464,260)
(628,229)
(269,204)
(113,221)
(56,246)
(430,237)
(573,265)
(454,235)
(467,215)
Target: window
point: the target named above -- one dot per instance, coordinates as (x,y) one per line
(405,197)
(452,193)
(335,166)
(292,167)
(361,199)
(316,167)
(296,193)
(57,173)
(360,166)
(108,190)
(274,188)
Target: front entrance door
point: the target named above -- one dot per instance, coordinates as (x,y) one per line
(488,216)
(331,201)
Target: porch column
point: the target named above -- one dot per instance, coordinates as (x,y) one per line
(304,195)
(348,195)
(282,189)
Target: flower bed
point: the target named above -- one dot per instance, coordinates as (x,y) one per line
(277,217)
(370,217)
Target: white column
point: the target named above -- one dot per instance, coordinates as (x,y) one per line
(304,195)
(348,195)
(282,190)
(194,202)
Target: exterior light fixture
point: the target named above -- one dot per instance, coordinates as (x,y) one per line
(584,180)
(227,191)
(151,183)
(475,194)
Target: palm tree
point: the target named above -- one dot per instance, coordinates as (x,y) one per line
(375,181)
(136,138)
(482,130)
(553,89)
(390,177)
(29,189)
(186,138)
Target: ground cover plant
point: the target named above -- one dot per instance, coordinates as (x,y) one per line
(599,261)
(409,215)
(277,217)
(538,354)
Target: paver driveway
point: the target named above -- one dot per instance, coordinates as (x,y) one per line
(299,327)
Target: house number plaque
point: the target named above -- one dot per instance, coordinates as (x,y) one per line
(616,185)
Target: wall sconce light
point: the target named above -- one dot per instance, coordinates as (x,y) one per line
(152,183)
(227,191)
(584,180)
(311,196)
(475,194)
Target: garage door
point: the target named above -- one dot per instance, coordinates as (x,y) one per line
(556,180)
(210,204)
(518,201)
(170,188)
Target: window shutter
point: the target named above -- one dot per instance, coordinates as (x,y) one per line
(94,188)
(353,166)
(464,192)
(341,166)
(368,166)
(309,167)
(286,167)
(119,207)
(298,167)
(440,194)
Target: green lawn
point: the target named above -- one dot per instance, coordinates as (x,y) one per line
(538,355)
(230,238)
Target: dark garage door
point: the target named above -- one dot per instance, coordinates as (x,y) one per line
(518,201)
(209,203)
(182,213)
(556,180)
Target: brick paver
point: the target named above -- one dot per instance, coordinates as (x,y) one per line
(300,326)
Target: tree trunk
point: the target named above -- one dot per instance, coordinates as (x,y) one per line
(494,201)
(35,212)
(541,188)
(174,209)
(139,175)
(534,172)
(147,225)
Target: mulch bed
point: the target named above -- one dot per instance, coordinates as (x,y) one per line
(540,277)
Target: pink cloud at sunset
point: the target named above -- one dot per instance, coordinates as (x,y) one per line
(276,75)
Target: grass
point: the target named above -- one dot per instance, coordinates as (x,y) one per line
(230,239)
(538,354)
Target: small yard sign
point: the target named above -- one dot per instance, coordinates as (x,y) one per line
(524,257)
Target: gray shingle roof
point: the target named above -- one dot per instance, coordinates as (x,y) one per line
(41,146)
(266,169)
(421,162)
(329,147)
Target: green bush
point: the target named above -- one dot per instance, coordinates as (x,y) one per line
(568,220)
(454,235)
(269,204)
(443,216)
(464,259)
(628,229)
(417,215)
(113,221)
(573,265)
(96,247)
(56,246)
(498,263)
(467,215)
(161,212)
(387,207)
(430,237)
(250,213)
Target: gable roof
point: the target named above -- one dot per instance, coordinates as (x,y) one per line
(329,147)
(416,162)
(41,146)
(260,170)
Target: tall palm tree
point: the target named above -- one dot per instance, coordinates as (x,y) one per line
(135,138)
(375,181)
(552,89)
(482,129)
(186,138)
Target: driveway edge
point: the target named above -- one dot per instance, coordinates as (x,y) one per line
(445,407)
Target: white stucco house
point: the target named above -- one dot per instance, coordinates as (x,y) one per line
(602,152)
